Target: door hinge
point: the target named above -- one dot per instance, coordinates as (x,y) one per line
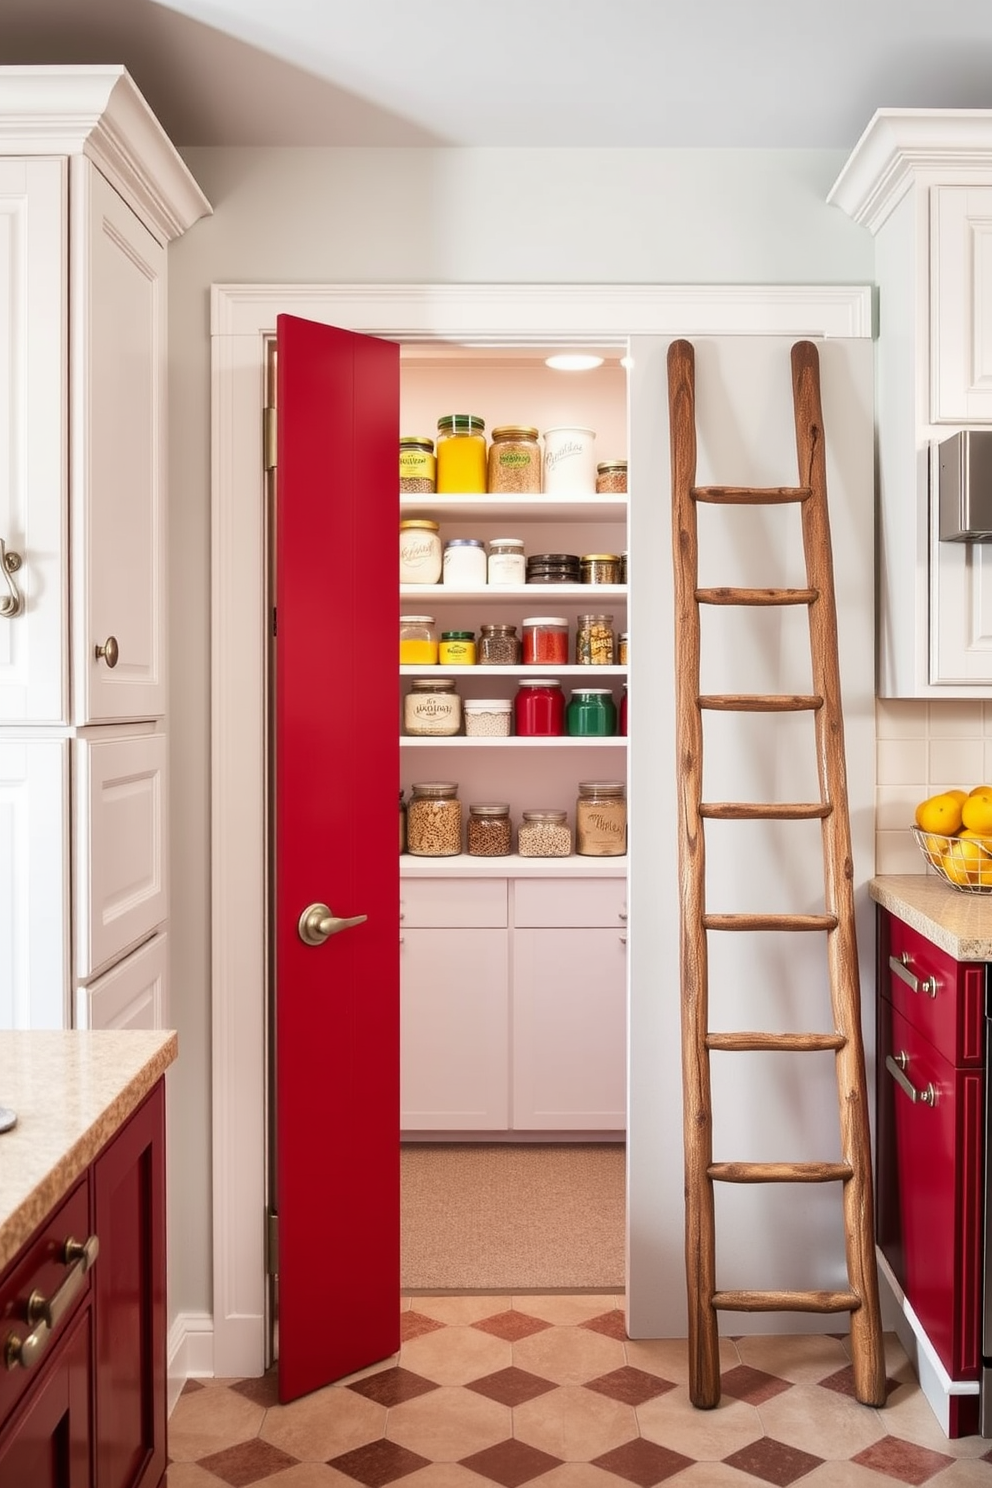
(271,1244)
(269,438)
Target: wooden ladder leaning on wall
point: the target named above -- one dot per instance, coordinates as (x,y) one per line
(837,923)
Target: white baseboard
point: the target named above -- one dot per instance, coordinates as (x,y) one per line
(190,1351)
(935,1382)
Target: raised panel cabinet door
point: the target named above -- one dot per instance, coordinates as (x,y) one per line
(46,1444)
(961,304)
(117,390)
(34,883)
(33,422)
(133,994)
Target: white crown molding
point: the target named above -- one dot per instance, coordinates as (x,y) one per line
(901,145)
(99,112)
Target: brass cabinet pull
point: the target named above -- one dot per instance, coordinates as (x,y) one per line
(11,603)
(318,924)
(110,651)
(901,965)
(45,1313)
(896,1066)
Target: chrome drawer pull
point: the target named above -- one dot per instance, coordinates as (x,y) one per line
(45,1313)
(901,968)
(896,1066)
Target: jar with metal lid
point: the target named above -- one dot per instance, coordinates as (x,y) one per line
(594,640)
(515,460)
(420,551)
(507,564)
(611,478)
(487,718)
(623,567)
(464,563)
(489,832)
(418,468)
(432,707)
(600,568)
(622,724)
(553,568)
(545,640)
(434,820)
(499,645)
(402,823)
(457,648)
(461,454)
(418,640)
(591,713)
(539,708)
(601,819)
(544,833)
(622,648)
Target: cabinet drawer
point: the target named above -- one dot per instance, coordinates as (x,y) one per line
(431,903)
(40,1266)
(570,902)
(133,994)
(941,997)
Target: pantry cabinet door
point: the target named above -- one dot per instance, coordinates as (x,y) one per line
(336,772)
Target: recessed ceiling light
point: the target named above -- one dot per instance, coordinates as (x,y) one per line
(573,361)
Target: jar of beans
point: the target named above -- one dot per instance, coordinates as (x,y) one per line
(601,819)
(432,707)
(544,833)
(499,645)
(434,820)
(417,464)
(594,640)
(489,833)
(545,640)
(515,460)
(487,718)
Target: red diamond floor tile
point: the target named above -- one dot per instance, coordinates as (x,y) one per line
(511,1326)
(392,1386)
(510,1463)
(415,1325)
(642,1462)
(246,1463)
(613,1324)
(378,1463)
(629,1385)
(903,1460)
(773,1461)
(264,1391)
(843,1382)
(751,1385)
(511,1386)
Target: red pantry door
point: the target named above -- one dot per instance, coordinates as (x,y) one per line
(336,779)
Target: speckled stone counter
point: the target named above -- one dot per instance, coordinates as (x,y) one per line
(959,923)
(71,1092)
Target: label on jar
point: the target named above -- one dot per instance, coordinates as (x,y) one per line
(432,713)
(457,653)
(507,568)
(601,828)
(420,556)
(417,464)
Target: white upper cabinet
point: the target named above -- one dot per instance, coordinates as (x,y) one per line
(961,304)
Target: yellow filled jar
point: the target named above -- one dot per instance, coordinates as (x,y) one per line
(418,640)
(461,454)
(457,648)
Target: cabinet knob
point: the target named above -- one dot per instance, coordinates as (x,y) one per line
(110,651)
(11,603)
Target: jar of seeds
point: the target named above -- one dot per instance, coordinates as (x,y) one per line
(417,464)
(499,645)
(544,833)
(594,640)
(489,833)
(601,819)
(487,718)
(600,568)
(611,478)
(434,820)
(514,460)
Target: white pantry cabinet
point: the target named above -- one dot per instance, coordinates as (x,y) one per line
(91,193)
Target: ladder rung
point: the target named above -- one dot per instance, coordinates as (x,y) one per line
(725,596)
(769,922)
(786,1301)
(748,1041)
(757,702)
(751,495)
(779,1172)
(765,810)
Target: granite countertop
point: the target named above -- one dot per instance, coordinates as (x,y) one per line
(958,922)
(70,1092)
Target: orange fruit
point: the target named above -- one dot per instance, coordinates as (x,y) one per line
(940,813)
(976,813)
(979,856)
(978,789)
(962,861)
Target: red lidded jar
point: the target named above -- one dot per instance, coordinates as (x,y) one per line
(545,640)
(539,708)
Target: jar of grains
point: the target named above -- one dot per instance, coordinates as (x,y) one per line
(434,820)
(600,568)
(402,824)
(418,471)
(507,564)
(622,648)
(432,707)
(594,640)
(515,460)
(499,645)
(601,819)
(611,478)
(457,648)
(465,563)
(539,708)
(489,833)
(418,640)
(545,640)
(461,453)
(420,551)
(487,718)
(591,713)
(544,833)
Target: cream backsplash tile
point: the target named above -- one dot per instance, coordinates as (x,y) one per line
(955,762)
(921,748)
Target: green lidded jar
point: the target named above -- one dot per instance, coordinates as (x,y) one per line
(591,713)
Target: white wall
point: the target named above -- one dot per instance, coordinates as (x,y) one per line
(469,216)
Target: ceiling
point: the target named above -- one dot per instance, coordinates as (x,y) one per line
(593,73)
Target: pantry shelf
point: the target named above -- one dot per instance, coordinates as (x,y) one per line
(555,741)
(514,508)
(590,674)
(540,597)
(511,866)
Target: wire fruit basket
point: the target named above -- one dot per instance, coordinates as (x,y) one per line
(963,862)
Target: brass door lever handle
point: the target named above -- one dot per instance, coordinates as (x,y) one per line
(318,924)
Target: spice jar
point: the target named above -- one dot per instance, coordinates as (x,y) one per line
(539,708)
(553,568)
(507,564)
(432,707)
(544,833)
(418,470)
(461,453)
(545,640)
(515,460)
(499,645)
(457,648)
(402,824)
(464,563)
(600,568)
(489,833)
(434,820)
(591,713)
(418,641)
(420,551)
(623,568)
(594,640)
(487,718)
(611,478)
(601,819)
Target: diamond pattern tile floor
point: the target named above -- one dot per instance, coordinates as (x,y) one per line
(513,1391)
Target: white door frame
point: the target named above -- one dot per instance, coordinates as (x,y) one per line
(242,316)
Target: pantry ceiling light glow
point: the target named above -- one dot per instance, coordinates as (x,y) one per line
(573,361)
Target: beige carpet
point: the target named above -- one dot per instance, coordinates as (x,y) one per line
(512,1217)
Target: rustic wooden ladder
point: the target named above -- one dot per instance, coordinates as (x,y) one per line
(860,1299)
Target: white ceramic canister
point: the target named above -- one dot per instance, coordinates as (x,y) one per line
(464,564)
(420,551)
(569,462)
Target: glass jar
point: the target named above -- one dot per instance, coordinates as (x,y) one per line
(489,832)
(594,640)
(461,454)
(622,723)
(622,648)
(545,640)
(591,713)
(418,469)
(601,819)
(420,551)
(515,460)
(434,820)
(464,563)
(611,478)
(544,833)
(499,645)
(623,568)
(457,648)
(600,568)
(418,640)
(432,707)
(539,708)
(553,568)
(507,564)
(487,718)
(402,824)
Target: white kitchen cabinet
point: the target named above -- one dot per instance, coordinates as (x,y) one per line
(91,193)
(961,304)
(132,994)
